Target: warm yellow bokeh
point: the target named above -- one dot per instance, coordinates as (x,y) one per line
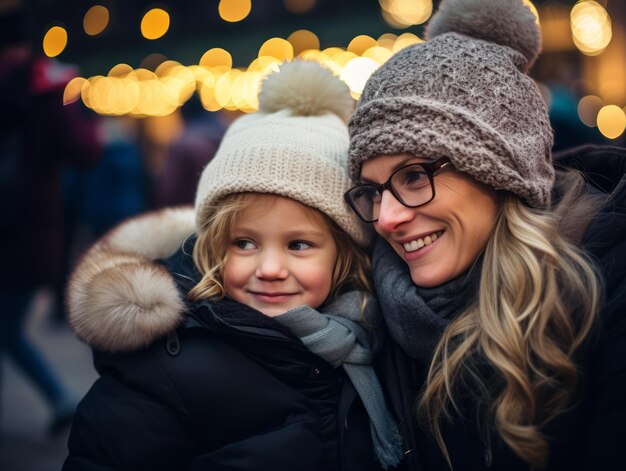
(361,43)
(96,20)
(73,89)
(379,54)
(166,67)
(206,91)
(224,89)
(611,121)
(155,23)
(303,40)
(404,13)
(55,41)
(279,48)
(264,65)
(405,40)
(216,57)
(234,10)
(120,70)
(387,40)
(591,27)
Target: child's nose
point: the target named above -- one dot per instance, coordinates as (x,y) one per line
(272,266)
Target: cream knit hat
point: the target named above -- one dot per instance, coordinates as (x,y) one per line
(464,94)
(296,146)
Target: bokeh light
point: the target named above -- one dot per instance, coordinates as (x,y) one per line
(588,108)
(155,23)
(120,70)
(234,10)
(303,40)
(591,27)
(277,47)
(405,13)
(55,41)
(361,43)
(387,40)
(216,57)
(299,7)
(96,20)
(611,121)
(379,54)
(405,40)
(356,72)
(73,89)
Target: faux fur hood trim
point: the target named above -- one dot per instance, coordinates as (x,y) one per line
(118,299)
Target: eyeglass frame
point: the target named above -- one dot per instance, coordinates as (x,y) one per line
(431,169)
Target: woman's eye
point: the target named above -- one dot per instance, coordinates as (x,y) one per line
(299,245)
(244,244)
(413,176)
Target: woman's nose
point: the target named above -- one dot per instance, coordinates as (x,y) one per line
(272,266)
(392,213)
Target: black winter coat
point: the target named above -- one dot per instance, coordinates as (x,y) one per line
(230,389)
(591,435)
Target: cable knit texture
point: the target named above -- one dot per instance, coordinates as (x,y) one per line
(464,94)
(295,146)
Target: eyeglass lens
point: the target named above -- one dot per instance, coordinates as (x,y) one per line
(410,185)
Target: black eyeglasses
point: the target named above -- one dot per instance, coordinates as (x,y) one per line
(412,185)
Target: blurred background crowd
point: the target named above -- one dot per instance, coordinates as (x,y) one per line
(109,108)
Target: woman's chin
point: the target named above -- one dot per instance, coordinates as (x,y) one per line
(427,277)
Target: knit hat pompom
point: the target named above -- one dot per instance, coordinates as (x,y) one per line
(506,22)
(307,89)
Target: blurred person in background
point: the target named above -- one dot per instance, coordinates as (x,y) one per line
(176,181)
(115,189)
(39,137)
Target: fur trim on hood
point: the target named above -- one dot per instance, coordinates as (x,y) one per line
(118,299)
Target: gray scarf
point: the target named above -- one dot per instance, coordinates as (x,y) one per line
(339,339)
(416,317)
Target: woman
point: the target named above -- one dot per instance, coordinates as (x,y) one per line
(501,280)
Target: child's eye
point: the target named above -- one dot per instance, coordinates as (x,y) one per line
(244,244)
(299,245)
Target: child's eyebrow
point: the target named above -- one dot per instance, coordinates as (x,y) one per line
(291,234)
(305,233)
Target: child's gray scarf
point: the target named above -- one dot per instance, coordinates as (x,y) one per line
(336,336)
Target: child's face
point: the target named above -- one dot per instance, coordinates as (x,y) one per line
(281,255)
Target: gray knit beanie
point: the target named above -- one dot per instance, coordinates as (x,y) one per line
(464,94)
(295,146)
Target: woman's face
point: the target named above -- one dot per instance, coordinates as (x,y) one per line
(440,240)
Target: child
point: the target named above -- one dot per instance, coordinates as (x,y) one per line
(214,358)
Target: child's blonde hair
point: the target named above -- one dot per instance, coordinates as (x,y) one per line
(209,252)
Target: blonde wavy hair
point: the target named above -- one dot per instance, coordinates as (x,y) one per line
(537,302)
(209,252)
